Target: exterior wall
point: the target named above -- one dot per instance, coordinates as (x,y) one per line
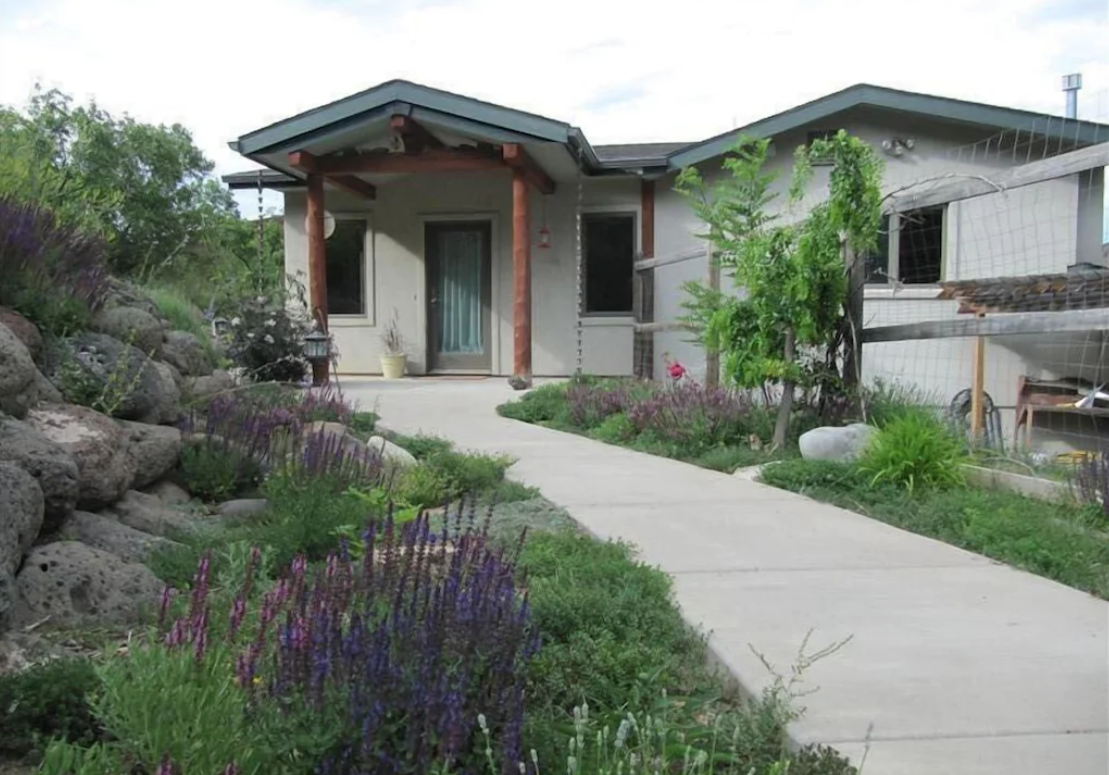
(395,277)
(1041,228)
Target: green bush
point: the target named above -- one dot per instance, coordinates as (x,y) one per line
(915,451)
(887,401)
(183,315)
(362,424)
(215,471)
(615,429)
(423,486)
(542,404)
(445,474)
(422,447)
(46,701)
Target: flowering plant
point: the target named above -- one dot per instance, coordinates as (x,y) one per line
(266,337)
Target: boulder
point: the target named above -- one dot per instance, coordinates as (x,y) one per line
(128,324)
(76,584)
(841,445)
(391,453)
(154,451)
(184,352)
(117,375)
(17,373)
(97,445)
(20,515)
(200,389)
(147,513)
(49,462)
(24,330)
(111,535)
(242,507)
(338,438)
(168,493)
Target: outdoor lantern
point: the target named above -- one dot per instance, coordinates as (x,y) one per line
(544,237)
(317,349)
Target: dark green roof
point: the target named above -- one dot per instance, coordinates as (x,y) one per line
(502,124)
(865,95)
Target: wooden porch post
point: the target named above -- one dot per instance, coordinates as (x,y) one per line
(521,275)
(317,267)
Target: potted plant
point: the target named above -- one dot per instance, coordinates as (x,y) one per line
(393,359)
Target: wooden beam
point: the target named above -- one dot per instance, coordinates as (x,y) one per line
(317,253)
(415,135)
(303,161)
(516,157)
(978,389)
(521,276)
(434,160)
(674,258)
(997,325)
(955,187)
(353,185)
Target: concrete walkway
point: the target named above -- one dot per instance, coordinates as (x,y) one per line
(957,665)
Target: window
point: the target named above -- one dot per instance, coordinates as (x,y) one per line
(920,246)
(609,253)
(912,253)
(346,268)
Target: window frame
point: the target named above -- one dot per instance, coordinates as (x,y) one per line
(587,213)
(366,275)
(893,256)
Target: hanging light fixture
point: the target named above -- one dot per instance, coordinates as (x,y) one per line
(544,232)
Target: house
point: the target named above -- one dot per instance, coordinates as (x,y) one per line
(458,219)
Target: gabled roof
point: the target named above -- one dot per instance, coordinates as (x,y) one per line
(863,94)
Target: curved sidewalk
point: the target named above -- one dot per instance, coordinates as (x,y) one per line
(956,665)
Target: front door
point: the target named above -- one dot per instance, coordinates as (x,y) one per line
(459,294)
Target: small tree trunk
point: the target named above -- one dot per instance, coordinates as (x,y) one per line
(785,409)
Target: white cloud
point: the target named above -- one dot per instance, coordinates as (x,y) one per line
(224,67)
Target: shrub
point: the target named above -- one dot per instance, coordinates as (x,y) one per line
(325,404)
(51,273)
(45,701)
(183,315)
(615,429)
(915,451)
(422,447)
(214,470)
(887,401)
(267,339)
(588,404)
(693,417)
(422,485)
(542,404)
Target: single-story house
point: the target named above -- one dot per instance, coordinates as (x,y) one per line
(458,220)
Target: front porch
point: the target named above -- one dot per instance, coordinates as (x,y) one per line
(461,232)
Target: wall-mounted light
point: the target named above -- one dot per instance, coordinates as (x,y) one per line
(328,224)
(544,232)
(895,146)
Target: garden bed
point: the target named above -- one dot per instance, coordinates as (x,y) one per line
(1058,540)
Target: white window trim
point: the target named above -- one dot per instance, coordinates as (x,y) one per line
(634,211)
(893,268)
(369,289)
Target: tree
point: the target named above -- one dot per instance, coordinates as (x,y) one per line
(793,278)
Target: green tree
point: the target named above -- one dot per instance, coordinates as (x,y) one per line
(793,276)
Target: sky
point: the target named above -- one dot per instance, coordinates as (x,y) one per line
(623,71)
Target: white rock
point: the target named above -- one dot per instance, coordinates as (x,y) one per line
(841,445)
(390,452)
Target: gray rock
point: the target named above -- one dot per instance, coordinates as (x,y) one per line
(49,462)
(95,365)
(199,389)
(340,438)
(154,451)
(97,445)
(841,445)
(184,351)
(111,535)
(242,507)
(17,373)
(24,330)
(76,584)
(391,453)
(147,513)
(168,493)
(130,324)
(20,515)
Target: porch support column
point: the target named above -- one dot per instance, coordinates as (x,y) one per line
(521,276)
(317,267)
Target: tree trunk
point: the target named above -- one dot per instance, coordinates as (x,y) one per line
(785,408)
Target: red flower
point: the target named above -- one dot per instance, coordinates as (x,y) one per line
(676,370)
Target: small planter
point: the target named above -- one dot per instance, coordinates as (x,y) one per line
(392,366)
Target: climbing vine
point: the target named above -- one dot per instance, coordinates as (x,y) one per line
(791,273)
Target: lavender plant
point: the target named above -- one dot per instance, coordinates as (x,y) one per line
(693,417)
(51,273)
(377,666)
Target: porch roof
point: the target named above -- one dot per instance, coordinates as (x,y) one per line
(1082,286)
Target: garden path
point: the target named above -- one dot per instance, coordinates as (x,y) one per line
(956,664)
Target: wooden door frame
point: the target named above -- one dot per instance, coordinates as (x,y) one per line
(484,224)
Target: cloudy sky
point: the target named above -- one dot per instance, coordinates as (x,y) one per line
(623,71)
